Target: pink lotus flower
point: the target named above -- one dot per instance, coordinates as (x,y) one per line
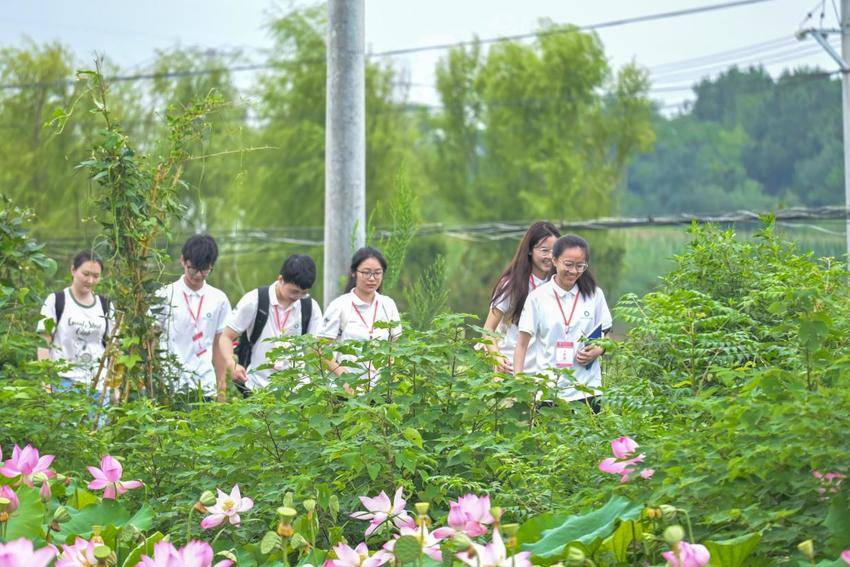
(227,507)
(845,555)
(494,554)
(193,554)
(380,509)
(27,463)
(829,482)
(686,554)
(622,462)
(358,557)
(20,553)
(430,544)
(9,494)
(622,447)
(469,515)
(81,554)
(108,477)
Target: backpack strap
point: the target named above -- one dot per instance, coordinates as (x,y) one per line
(104,304)
(59,306)
(306,314)
(261,316)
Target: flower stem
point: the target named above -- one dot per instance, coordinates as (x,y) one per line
(189,524)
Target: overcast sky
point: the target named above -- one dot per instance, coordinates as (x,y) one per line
(129,32)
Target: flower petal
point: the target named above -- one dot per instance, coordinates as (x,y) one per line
(212,521)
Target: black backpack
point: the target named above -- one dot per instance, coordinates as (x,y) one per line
(246,344)
(59,298)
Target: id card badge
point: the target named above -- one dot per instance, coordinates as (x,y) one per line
(565,354)
(197,345)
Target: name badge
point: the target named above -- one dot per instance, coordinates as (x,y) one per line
(565,354)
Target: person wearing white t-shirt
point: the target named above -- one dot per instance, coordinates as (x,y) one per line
(78,337)
(191,316)
(561,315)
(285,295)
(529,269)
(352,317)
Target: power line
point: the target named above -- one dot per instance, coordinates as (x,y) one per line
(404,51)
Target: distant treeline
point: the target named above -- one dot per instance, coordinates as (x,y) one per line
(747,142)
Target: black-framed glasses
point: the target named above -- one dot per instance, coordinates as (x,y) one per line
(579,267)
(195,271)
(369,274)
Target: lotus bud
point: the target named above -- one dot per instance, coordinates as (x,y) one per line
(207,498)
(807,548)
(575,557)
(496,512)
(309,505)
(674,534)
(422,508)
(61,515)
(668,512)
(288,499)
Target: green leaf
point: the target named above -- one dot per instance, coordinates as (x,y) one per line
(407,549)
(270,542)
(413,436)
(26,520)
(585,529)
(838,522)
(625,534)
(107,513)
(373,469)
(531,530)
(732,552)
(145,548)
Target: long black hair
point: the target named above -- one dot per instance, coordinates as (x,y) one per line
(513,280)
(586,281)
(361,256)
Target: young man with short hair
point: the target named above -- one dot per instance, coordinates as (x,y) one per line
(287,309)
(192,316)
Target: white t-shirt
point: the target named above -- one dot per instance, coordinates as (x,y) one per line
(78,338)
(349,318)
(542,318)
(280,323)
(190,321)
(509,330)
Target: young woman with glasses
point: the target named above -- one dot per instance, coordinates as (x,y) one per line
(529,269)
(352,317)
(559,317)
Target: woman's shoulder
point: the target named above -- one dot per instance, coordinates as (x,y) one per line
(338,303)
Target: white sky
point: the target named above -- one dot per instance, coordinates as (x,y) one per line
(128,32)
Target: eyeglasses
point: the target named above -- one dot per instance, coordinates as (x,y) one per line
(195,271)
(543,251)
(574,266)
(368,274)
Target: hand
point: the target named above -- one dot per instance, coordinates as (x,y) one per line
(221,397)
(588,354)
(238,374)
(504,365)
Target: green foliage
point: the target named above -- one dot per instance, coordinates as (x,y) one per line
(138,200)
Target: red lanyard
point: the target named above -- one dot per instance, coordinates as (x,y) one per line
(561,308)
(281,326)
(194,316)
(374,316)
(531,281)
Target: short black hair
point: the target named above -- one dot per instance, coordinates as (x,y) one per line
(86,256)
(201,251)
(300,270)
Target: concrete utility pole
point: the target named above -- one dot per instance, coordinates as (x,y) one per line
(345,141)
(822,37)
